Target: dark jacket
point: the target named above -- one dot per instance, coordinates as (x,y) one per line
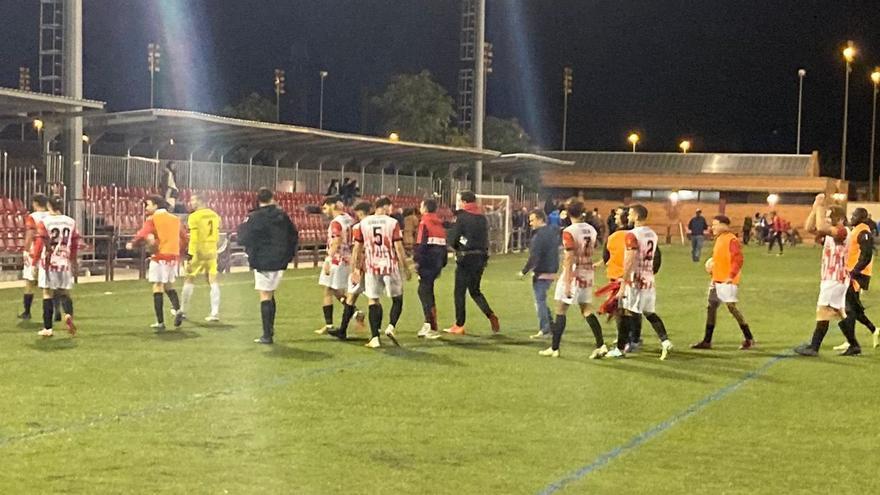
(469,235)
(698,225)
(544,251)
(269,238)
(430,249)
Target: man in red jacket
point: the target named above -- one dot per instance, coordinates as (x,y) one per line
(777,227)
(430,257)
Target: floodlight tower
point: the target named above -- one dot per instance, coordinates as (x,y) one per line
(472,80)
(154,59)
(279,90)
(51,46)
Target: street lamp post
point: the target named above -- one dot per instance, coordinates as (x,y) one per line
(323,75)
(279,90)
(154,55)
(801,74)
(634,140)
(875,78)
(849,54)
(566,92)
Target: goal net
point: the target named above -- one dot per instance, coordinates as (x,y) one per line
(497,211)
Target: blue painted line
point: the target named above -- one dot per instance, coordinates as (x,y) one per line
(646,436)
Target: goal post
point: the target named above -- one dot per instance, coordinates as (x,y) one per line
(498,213)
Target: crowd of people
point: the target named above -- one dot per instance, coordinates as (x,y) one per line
(367,254)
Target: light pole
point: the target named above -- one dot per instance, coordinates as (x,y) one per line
(634,140)
(154,56)
(685,146)
(849,54)
(566,91)
(88,143)
(24,84)
(323,75)
(279,90)
(875,79)
(801,74)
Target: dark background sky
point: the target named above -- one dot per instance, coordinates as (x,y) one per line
(721,72)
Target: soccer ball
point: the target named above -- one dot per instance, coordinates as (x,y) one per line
(710,264)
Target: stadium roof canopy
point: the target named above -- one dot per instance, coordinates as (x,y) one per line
(203,132)
(17,106)
(690,163)
(692,171)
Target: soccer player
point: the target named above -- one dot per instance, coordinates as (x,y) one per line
(270,240)
(353,291)
(544,263)
(469,237)
(639,294)
(725,269)
(54,257)
(575,285)
(204,234)
(39,204)
(337,264)
(859,265)
(430,256)
(613,256)
(378,241)
(835,280)
(162,230)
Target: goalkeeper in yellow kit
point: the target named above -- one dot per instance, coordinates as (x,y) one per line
(204,234)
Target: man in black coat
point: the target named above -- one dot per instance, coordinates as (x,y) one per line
(469,237)
(270,240)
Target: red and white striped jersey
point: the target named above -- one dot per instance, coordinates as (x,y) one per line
(378,233)
(834,256)
(340,228)
(644,241)
(31,222)
(56,243)
(580,238)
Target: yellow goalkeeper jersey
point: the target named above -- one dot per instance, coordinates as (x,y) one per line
(204,233)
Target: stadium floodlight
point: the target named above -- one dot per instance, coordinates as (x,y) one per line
(394,136)
(38,125)
(279,90)
(24,78)
(875,79)
(801,74)
(849,54)
(323,75)
(685,146)
(154,56)
(773,200)
(567,79)
(634,139)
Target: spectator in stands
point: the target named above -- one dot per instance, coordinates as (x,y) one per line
(776,228)
(410,229)
(169,186)
(333,188)
(270,240)
(697,231)
(612,222)
(747,230)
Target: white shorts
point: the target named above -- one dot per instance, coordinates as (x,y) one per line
(377,285)
(55,280)
(162,271)
(338,278)
(639,301)
(833,294)
(27,272)
(267,281)
(581,291)
(725,293)
(353,288)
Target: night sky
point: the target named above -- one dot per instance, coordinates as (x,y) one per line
(720,72)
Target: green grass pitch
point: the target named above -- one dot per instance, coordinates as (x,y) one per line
(120,409)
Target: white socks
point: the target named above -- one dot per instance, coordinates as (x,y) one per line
(215,299)
(187,295)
